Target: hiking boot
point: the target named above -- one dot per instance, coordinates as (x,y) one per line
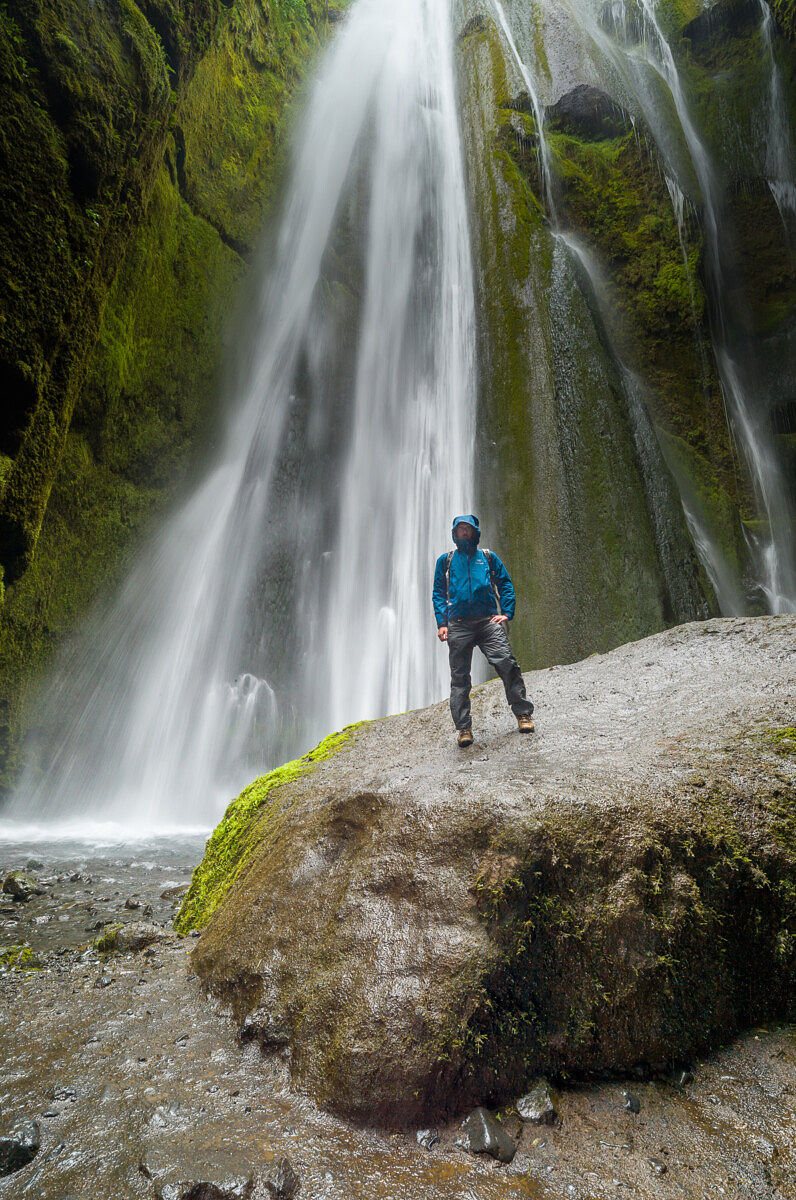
(466,737)
(525,723)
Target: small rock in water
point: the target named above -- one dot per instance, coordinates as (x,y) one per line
(481,1134)
(282,1181)
(33,864)
(132,938)
(131,903)
(427,1138)
(21,887)
(174,893)
(19,1147)
(632,1103)
(537,1105)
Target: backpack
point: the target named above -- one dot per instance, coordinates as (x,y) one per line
(488,555)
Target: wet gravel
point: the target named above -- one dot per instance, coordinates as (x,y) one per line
(135,1079)
(87,887)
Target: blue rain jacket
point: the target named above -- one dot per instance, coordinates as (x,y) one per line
(471,594)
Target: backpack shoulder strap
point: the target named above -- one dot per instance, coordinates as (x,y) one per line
(488,556)
(448,574)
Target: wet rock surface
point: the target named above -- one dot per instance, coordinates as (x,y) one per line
(482,1134)
(423,929)
(18,1147)
(146,1073)
(538,1104)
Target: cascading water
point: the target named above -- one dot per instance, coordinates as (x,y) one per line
(190,685)
(632,55)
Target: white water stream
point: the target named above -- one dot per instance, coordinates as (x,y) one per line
(633,56)
(171,705)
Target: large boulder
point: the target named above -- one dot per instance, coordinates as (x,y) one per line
(421,928)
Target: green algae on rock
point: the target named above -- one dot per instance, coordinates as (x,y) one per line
(19,957)
(246,823)
(427,930)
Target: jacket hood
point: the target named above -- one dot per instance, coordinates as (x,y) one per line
(468,519)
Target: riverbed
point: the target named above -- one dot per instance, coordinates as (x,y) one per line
(139,1085)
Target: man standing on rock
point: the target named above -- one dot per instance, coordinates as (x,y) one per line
(473,601)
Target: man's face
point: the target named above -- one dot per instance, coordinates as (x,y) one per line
(464,531)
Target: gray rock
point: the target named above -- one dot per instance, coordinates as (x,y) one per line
(428,1138)
(132,938)
(538,1105)
(33,864)
(632,1103)
(588,112)
(282,1181)
(481,1134)
(132,903)
(658,1166)
(19,1147)
(21,886)
(437,872)
(182,1171)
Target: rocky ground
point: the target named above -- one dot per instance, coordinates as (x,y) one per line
(119,1079)
(140,1089)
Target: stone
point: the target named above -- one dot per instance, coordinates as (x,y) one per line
(537,1105)
(175,892)
(427,1138)
(179,1170)
(632,1103)
(282,1181)
(460,892)
(21,886)
(132,903)
(658,1166)
(19,1147)
(481,1134)
(588,112)
(33,864)
(134,937)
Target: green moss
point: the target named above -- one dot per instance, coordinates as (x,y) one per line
(20,957)
(105,942)
(785,13)
(243,827)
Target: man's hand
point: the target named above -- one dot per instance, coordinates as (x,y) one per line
(442,633)
(498,619)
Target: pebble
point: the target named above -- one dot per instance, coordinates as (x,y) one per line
(282,1182)
(481,1134)
(538,1105)
(632,1103)
(428,1138)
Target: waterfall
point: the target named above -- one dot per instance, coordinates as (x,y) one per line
(256,624)
(632,57)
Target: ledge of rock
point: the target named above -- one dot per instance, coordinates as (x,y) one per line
(423,928)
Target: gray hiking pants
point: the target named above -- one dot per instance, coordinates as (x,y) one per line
(493,642)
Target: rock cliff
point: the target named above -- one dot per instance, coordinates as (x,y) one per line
(421,927)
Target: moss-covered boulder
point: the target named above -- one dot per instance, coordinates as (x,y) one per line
(426,928)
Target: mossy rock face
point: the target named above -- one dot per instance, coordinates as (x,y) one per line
(584,511)
(249,820)
(426,928)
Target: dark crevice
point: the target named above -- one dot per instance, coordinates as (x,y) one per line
(177,168)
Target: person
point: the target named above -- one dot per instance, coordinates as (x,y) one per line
(473,602)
